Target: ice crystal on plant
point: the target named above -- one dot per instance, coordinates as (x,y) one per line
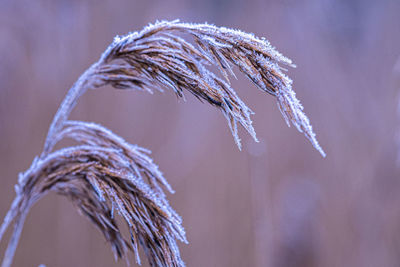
(104,173)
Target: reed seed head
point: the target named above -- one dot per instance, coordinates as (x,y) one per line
(104,174)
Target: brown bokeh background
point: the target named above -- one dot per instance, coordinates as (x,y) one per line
(277,202)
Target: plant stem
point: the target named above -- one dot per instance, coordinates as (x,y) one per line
(12,245)
(78,89)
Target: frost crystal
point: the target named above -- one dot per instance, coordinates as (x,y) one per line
(105,173)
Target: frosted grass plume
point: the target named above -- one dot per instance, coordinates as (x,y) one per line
(157,57)
(103,173)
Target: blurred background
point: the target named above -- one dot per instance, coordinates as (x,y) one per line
(277,202)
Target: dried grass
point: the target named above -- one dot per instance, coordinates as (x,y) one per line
(104,173)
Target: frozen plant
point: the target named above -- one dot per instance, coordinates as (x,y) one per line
(103,174)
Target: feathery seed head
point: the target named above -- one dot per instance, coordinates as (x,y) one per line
(158,56)
(105,173)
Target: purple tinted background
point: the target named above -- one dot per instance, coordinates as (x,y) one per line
(276,203)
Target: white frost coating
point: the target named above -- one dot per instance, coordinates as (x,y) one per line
(220,46)
(84,132)
(143,60)
(299,120)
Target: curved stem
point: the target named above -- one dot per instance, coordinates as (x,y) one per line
(79,88)
(12,245)
(84,83)
(9,217)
